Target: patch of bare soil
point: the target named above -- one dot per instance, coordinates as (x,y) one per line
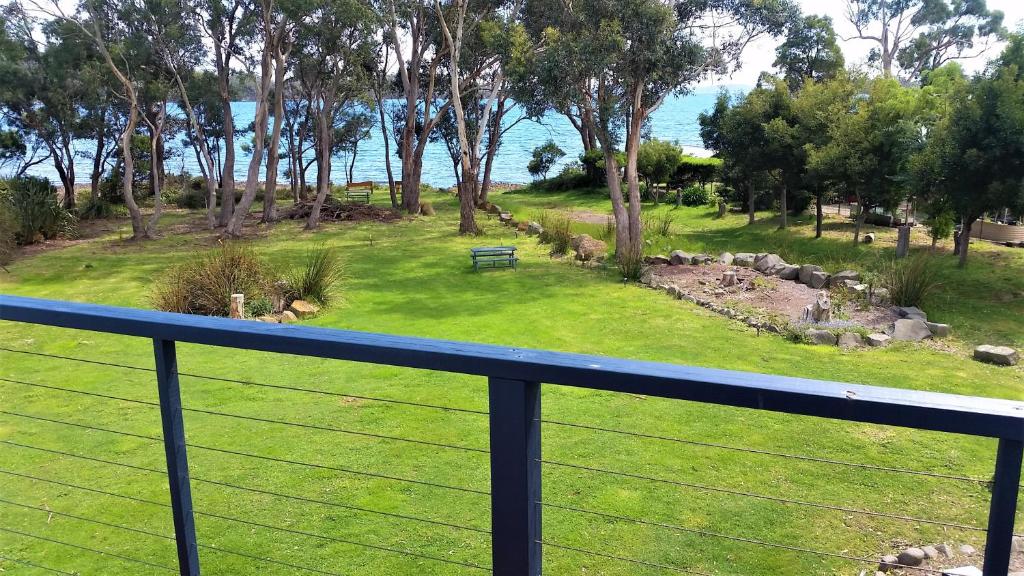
(767,294)
(588,217)
(335,210)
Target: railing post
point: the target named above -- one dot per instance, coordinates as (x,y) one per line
(515,477)
(1003,509)
(177,462)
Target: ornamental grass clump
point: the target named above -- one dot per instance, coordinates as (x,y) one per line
(205,285)
(910,280)
(317,278)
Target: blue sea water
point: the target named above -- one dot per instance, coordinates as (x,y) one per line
(675,120)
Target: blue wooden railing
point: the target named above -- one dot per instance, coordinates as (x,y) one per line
(515,376)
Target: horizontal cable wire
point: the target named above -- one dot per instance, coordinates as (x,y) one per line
(254,490)
(621,558)
(771,453)
(84,519)
(38,566)
(724,536)
(258,384)
(85,488)
(258,456)
(93,550)
(706,488)
(252,418)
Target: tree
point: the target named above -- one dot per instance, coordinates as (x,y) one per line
(809,51)
(919,35)
(657,161)
(544,157)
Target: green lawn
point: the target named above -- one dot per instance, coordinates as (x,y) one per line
(414,278)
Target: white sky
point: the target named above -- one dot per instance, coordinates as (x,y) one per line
(759,56)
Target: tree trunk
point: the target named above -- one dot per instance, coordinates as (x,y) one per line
(259,141)
(636,235)
(783,208)
(862,215)
(274,154)
(323,177)
(155,179)
(227,179)
(819,216)
(127,182)
(903,241)
(965,240)
(98,157)
(750,202)
(392,191)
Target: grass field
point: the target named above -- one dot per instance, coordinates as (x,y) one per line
(413,278)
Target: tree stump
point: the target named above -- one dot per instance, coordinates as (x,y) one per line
(237,305)
(729,278)
(722,207)
(820,310)
(903,241)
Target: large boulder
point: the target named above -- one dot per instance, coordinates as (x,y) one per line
(849,340)
(745,259)
(822,337)
(303,309)
(806,270)
(818,280)
(769,263)
(911,329)
(587,248)
(678,257)
(840,278)
(726,258)
(1002,355)
(912,312)
(878,340)
(788,272)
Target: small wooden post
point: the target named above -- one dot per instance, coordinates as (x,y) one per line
(177,462)
(1003,508)
(237,305)
(515,477)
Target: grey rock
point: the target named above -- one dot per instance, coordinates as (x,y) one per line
(944,550)
(1018,544)
(911,329)
(818,280)
(968,550)
(860,289)
(888,563)
(789,272)
(849,340)
(805,273)
(840,278)
(760,256)
(657,260)
(911,312)
(768,263)
(878,340)
(726,258)
(745,259)
(673,291)
(1002,355)
(939,330)
(823,337)
(679,257)
(700,259)
(869,238)
(911,557)
(880,295)
(930,552)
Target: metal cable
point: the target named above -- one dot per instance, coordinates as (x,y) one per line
(257,384)
(252,418)
(725,536)
(771,453)
(93,550)
(254,490)
(85,488)
(39,566)
(778,499)
(258,456)
(94,521)
(621,558)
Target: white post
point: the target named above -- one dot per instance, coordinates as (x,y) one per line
(238,305)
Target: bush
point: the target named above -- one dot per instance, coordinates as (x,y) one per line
(257,307)
(8,232)
(96,209)
(697,196)
(190,198)
(557,232)
(36,210)
(205,285)
(910,280)
(660,225)
(316,279)
(940,226)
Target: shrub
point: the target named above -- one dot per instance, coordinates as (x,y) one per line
(37,211)
(8,232)
(316,279)
(697,196)
(190,198)
(940,226)
(205,285)
(557,232)
(910,280)
(96,209)
(631,263)
(257,307)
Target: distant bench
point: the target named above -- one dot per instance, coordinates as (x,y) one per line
(494,257)
(359,192)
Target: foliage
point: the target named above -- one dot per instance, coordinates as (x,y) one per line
(657,160)
(317,277)
(205,285)
(96,209)
(695,169)
(940,225)
(910,280)
(8,232)
(36,209)
(696,196)
(809,51)
(557,231)
(544,157)
(256,307)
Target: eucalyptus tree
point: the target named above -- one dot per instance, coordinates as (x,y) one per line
(810,50)
(620,59)
(282,24)
(912,36)
(379,89)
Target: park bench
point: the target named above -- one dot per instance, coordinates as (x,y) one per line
(494,257)
(359,192)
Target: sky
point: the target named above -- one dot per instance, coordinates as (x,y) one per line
(760,55)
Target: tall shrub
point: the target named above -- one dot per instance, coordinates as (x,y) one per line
(36,210)
(205,285)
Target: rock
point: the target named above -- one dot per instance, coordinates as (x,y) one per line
(729,278)
(878,340)
(493,209)
(505,217)
(869,238)
(587,248)
(678,257)
(823,337)
(768,262)
(269,318)
(789,272)
(303,309)
(911,557)
(968,550)
(859,289)
(888,563)
(745,259)
(820,310)
(700,259)
(939,330)
(880,295)
(911,329)
(840,278)
(674,291)
(911,312)
(1018,544)
(804,276)
(725,258)
(1002,355)
(963,571)
(760,256)
(287,317)
(944,550)
(657,260)
(818,280)
(849,340)
(534,229)
(930,552)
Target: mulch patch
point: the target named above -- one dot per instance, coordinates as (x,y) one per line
(335,210)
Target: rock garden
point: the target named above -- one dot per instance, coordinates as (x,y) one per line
(944,558)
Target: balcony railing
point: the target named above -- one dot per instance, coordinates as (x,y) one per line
(515,377)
